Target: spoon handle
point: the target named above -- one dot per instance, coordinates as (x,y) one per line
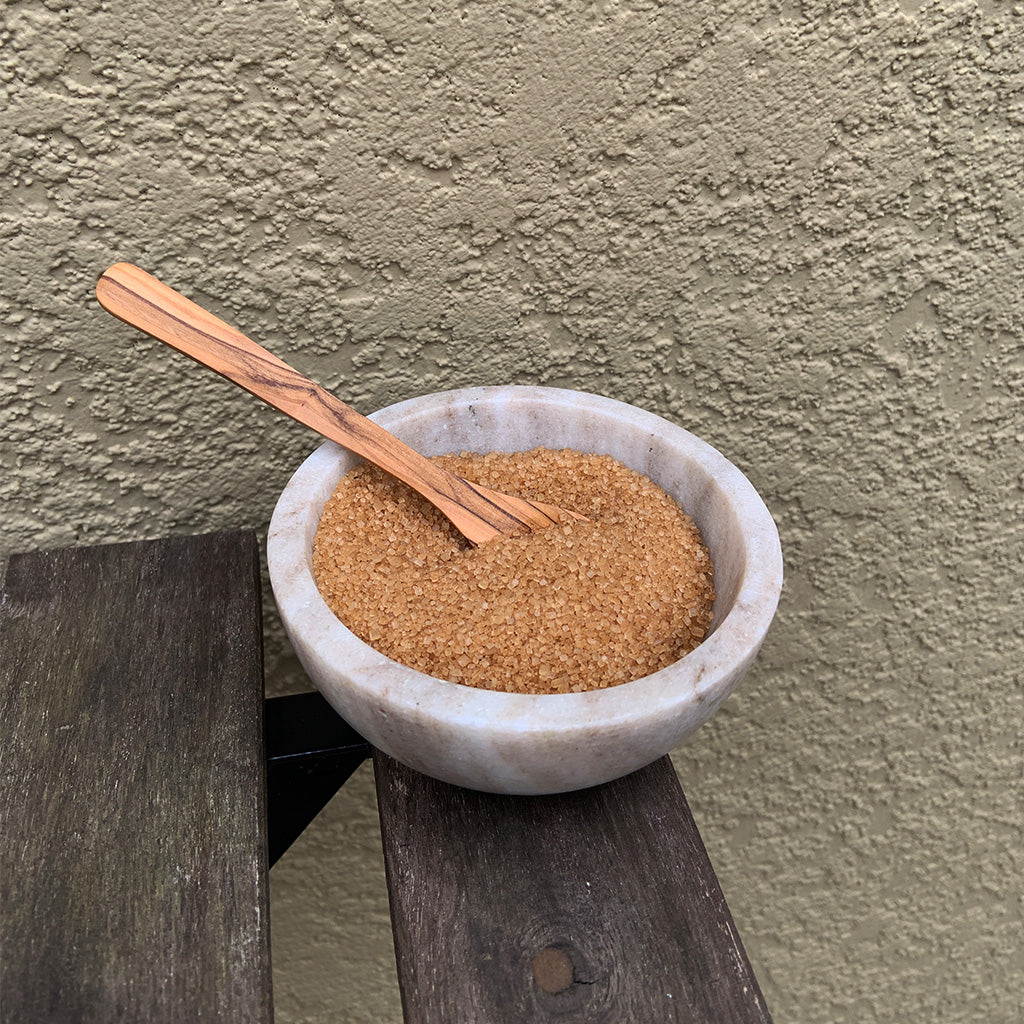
(139,299)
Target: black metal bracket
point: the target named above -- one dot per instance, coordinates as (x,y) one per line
(311,752)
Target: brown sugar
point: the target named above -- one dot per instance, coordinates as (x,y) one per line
(579,606)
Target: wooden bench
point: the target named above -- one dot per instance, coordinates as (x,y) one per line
(146,787)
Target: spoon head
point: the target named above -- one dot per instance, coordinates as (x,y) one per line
(523,516)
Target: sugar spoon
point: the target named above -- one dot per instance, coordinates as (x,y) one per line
(479,513)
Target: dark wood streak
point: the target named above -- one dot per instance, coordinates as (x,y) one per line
(482,493)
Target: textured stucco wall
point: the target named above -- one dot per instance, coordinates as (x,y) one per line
(794,228)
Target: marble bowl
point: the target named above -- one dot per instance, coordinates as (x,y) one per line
(517,743)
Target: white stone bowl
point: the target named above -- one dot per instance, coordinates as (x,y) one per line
(518,743)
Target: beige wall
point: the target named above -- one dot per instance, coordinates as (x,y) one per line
(794,228)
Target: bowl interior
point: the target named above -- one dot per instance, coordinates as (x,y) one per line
(709,488)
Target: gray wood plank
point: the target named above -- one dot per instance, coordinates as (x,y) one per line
(594,906)
(133,877)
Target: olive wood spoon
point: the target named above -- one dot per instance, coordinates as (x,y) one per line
(479,513)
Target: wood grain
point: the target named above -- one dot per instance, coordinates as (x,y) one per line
(133,876)
(597,906)
(479,513)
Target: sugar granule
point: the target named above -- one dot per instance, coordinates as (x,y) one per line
(579,606)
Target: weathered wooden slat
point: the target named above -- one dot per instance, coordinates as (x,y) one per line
(133,877)
(594,906)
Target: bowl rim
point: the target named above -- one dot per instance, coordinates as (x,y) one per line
(705,675)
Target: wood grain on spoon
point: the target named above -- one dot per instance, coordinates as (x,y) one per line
(479,513)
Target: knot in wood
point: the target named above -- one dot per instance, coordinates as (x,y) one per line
(552,970)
